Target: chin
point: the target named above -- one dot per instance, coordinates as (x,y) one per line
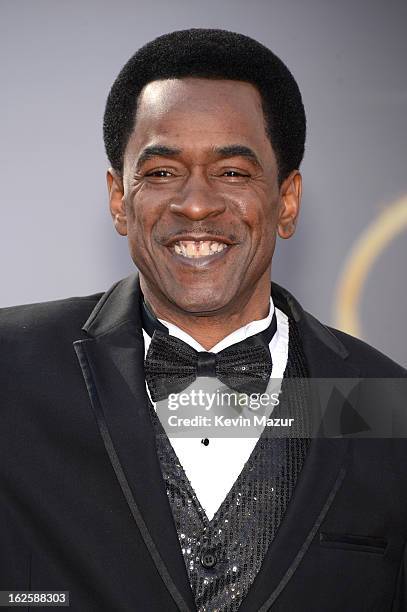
(200,301)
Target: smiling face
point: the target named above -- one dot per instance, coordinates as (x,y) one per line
(199,198)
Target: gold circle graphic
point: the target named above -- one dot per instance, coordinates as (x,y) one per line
(367,249)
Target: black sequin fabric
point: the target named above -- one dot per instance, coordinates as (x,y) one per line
(223,555)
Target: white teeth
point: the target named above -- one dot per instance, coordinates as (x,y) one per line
(191,250)
(195,249)
(205,248)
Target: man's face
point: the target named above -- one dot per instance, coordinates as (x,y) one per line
(199,199)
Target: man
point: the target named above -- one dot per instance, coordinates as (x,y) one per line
(204,130)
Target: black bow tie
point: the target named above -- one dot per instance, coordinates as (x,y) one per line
(171,365)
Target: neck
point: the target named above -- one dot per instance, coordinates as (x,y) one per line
(210,329)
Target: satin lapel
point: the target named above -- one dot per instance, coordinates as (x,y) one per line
(321,476)
(112,363)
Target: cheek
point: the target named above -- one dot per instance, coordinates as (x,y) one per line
(262,220)
(260,215)
(146,223)
(142,215)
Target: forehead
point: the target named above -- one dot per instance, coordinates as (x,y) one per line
(204,94)
(199,110)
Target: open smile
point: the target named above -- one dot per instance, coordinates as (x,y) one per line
(193,249)
(199,251)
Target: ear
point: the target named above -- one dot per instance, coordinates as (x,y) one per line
(290,199)
(116,201)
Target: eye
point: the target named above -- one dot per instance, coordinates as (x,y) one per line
(234,173)
(159,173)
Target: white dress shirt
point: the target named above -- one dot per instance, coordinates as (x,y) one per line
(213,469)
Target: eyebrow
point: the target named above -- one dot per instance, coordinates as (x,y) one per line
(235,150)
(156,151)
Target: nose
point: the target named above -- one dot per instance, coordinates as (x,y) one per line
(198,200)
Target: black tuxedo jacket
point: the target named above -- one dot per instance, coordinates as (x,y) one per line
(83,506)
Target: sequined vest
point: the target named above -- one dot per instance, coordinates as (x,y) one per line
(223,556)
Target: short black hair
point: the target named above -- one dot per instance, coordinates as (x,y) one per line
(216,54)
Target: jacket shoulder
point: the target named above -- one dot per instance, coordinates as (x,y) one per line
(64,316)
(368,360)
(371,361)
